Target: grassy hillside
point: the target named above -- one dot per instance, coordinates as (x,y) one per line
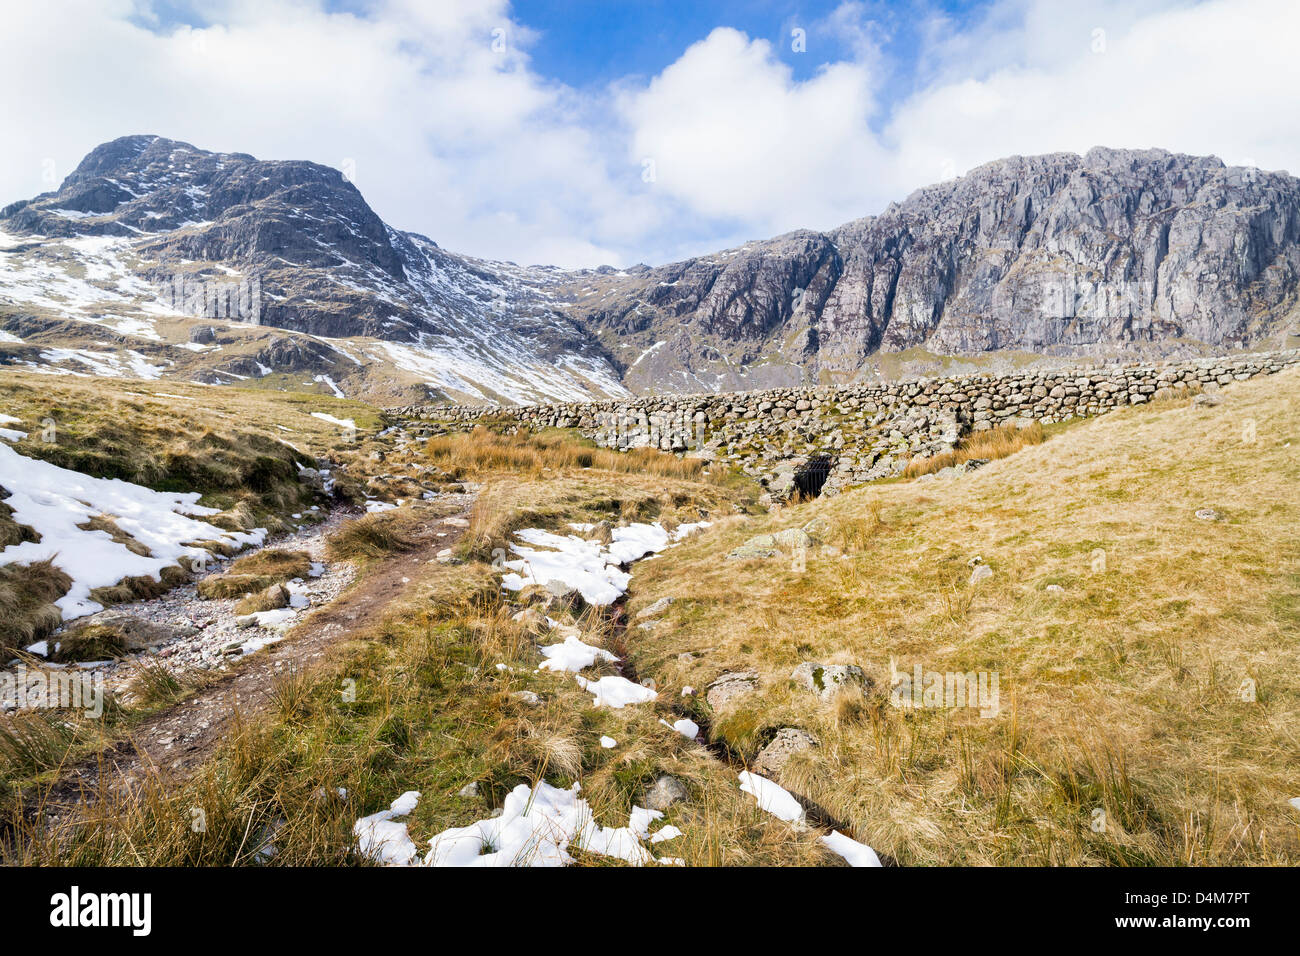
(1125,631)
(1146,658)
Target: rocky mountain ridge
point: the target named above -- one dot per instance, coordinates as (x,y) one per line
(158,259)
(1118,253)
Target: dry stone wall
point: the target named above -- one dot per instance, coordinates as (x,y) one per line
(869,430)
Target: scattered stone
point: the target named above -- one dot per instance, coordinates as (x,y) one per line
(658,607)
(1208,514)
(1055,589)
(729,687)
(818,529)
(791,539)
(525,697)
(788,741)
(469,791)
(665,792)
(276,596)
(827,680)
(750,550)
(558,588)
(529,617)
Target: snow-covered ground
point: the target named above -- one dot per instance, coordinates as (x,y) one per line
(588,567)
(54,501)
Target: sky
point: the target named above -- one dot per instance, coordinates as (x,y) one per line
(584,133)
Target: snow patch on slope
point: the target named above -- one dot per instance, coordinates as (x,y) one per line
(53,501)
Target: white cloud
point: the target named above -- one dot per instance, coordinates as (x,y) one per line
(1217,78)
(467,144)
(733,135)
(447,135)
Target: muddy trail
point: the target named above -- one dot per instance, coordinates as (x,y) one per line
(171,744)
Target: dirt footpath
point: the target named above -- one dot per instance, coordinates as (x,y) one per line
(174,742)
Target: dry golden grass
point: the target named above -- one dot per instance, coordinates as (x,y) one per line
(483,451)
(1122,692)
(256,572)
(432,712)
(990,444)
(373,536)
(27,596)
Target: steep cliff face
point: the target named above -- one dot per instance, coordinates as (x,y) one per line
(1116,251)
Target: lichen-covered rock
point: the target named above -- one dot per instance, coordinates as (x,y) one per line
(730,687)
(658,607)
(665,792)
(771,760)
(827,680)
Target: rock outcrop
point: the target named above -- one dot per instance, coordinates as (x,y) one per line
(1137,253)
(1114,255)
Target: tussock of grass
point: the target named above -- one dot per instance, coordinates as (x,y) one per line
(531,454)
(95,642)
(27,596)
(156,685)
(990,444)
(371,536)
(266,600)
(256,572)
(34,741)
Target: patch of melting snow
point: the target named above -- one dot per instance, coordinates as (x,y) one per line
(614,691)
(382,839)
(772,798)
(347,423)
(686,727)
(53,501)
(857,854)
(588,567)
(572,655)
(537,827)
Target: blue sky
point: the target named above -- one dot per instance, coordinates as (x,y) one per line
(652,130)
(590,44)
(585,42)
